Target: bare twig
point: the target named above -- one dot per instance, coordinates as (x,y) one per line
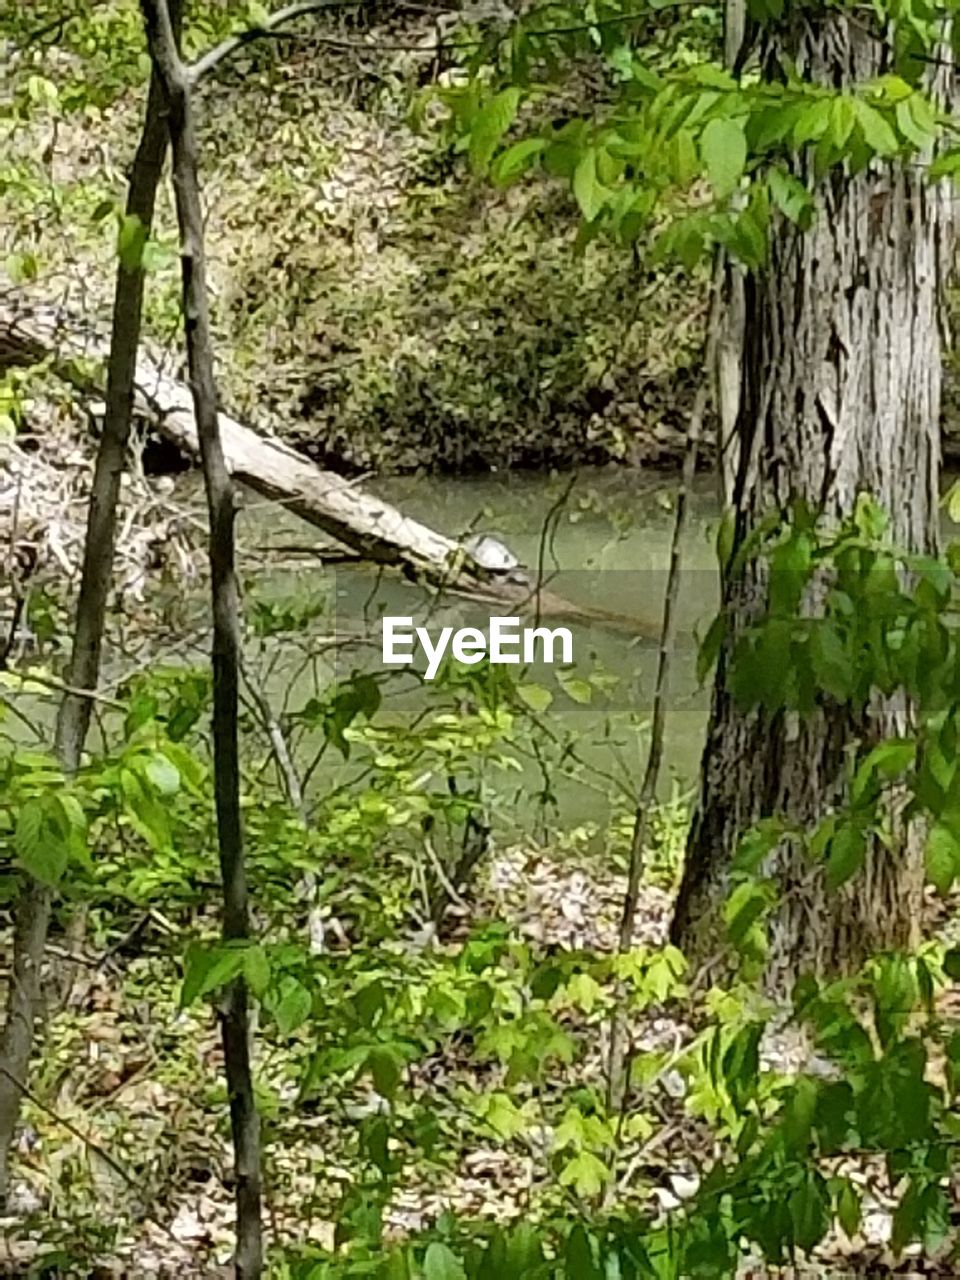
(219,53)
(70,690)
(616,1075)
(272,29)
(278,742)
(90,1143)
(70,1127)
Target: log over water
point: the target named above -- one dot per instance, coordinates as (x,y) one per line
(371,527)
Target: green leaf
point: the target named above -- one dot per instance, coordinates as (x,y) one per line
(162,774)
(386,1067)
(131,240)
(791,197)
(877,133)
(710,647)
(375,1141)
(842,119)
(746,904)
(369,1002)
(895,993)
(29,832)
(909,127)
(579,1256)
(832,665)
(590,194)
(848,1208)
(812,123)
(293,1008)
(441,1263)
(72,811)
(256,969)
(681,156)
(579,690)
(790,568)
(847,849)
(23,266)
(946,165)
(535,696)
(504,1116)
(490,124)
(941,857)
(888,760)
(586,1173)
(808,1212)
(686,239)
(208,968)
(755,844)
(41,849)
(798,1115)
(908,1218)
(510,164)
(723,149)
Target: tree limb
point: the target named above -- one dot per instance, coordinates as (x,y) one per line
(219,53)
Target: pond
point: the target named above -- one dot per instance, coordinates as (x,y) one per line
(601,539)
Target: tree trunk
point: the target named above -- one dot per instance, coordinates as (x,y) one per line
(36,900)
(221,505)
(839,394)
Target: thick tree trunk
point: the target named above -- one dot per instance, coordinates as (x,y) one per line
(839,394)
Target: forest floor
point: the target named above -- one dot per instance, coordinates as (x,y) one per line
(121,1171)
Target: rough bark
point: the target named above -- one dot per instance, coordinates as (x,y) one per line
(839,394)
(36,900)
(729,282)
(234,1013)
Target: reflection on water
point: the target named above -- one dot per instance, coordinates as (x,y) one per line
(602,543)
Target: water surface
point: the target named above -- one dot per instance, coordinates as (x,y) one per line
(601,539)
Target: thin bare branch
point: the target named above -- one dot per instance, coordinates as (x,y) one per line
(616,1075)
(271,28)
(278,742)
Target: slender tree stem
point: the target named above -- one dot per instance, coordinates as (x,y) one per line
(36,899)
(226,625)
(616,1072)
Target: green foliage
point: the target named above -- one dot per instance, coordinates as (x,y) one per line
(761,142)
(778,1184)
(686,157)
(365,1021)
(367,327)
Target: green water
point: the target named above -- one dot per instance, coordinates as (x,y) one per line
(602,543)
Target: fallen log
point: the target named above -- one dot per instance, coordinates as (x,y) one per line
(370,526)
(352,515)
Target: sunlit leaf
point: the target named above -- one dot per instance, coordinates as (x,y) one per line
(723,148)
